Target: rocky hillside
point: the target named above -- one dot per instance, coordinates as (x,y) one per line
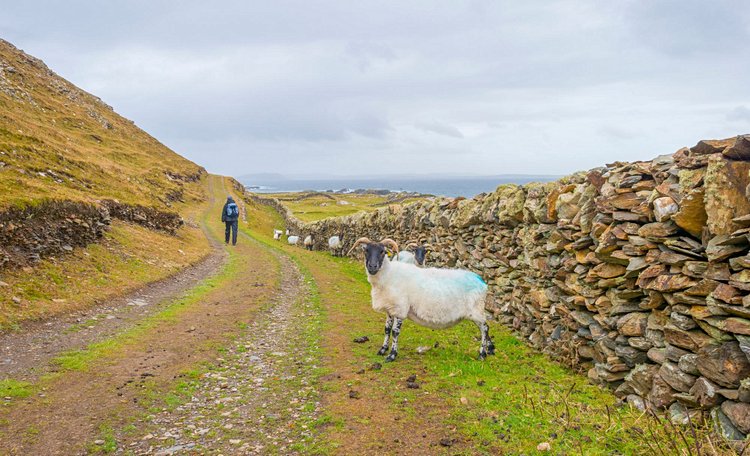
(68,163)
(636,273)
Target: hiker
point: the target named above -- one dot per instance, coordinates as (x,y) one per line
(230,215)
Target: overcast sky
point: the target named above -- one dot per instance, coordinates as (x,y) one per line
(369,87)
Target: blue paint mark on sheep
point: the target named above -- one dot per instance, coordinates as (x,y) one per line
(473,282)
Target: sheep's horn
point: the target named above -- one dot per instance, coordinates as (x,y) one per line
(362,240)
(412,245)
(390,242)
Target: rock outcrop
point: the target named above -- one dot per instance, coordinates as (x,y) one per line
(636,273)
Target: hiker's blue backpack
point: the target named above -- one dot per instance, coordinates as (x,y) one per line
(232,210)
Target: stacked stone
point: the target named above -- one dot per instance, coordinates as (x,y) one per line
(50,228)
(636,273)
(147,217)
(54,227)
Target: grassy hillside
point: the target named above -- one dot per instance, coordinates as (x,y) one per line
(312,206)
(59,141)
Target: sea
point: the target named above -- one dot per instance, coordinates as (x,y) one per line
(439,186)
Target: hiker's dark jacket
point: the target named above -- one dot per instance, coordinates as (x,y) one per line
(228,218)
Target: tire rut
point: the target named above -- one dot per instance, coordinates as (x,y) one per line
(260,397)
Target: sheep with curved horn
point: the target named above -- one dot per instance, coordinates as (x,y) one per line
(431,297)
(413,254)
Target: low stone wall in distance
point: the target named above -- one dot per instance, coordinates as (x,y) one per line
(636,273)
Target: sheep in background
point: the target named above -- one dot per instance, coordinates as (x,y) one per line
(335,245)
(288,232)
(292,240)
(414,254)
(277,234)
(308,242)
(431,297)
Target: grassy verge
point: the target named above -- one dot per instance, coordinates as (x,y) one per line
(10,388)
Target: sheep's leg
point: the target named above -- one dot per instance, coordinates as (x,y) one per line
(484,330)
(490,343)
(388,327)
(394,345)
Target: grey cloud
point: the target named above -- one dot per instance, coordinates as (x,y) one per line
(365,87)
(440,129)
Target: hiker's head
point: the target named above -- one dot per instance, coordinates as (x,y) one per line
(230,199)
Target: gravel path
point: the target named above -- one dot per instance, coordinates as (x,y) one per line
(260,398)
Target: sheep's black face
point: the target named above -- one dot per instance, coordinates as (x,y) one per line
(374,257)
(420,253)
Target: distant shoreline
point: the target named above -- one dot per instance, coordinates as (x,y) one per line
(441,186)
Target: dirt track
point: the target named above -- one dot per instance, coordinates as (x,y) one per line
(25,354)
(73,408)
(233,372)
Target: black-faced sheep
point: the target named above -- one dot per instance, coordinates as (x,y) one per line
(431,297)
(413,254)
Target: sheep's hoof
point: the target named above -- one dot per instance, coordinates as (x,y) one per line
(391,357)
(482,355)
(491,350)
(382,351)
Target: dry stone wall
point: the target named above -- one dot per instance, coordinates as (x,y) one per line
(54,227)
(636,273)
(50,228)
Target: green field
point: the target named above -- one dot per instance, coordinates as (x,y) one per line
(312,206)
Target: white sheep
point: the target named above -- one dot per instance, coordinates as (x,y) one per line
(292,240)
(431,297)
(277,234)
(308,242)
(335,245)
(413,254)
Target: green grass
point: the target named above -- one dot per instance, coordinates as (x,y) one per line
(15,388)
(127,257)
(108,444)
(524,399)
(311,207)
